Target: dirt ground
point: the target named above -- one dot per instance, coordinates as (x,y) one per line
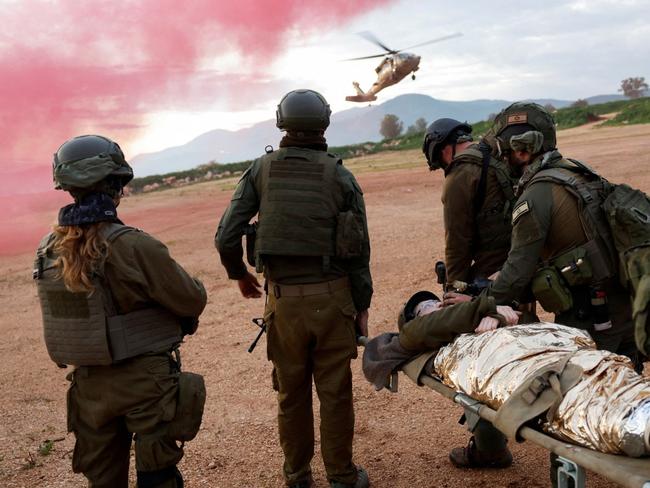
(402,439)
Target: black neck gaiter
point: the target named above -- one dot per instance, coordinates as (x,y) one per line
(88,209)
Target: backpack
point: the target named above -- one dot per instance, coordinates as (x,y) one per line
(628,215)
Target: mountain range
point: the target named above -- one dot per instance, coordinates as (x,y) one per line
(351,126)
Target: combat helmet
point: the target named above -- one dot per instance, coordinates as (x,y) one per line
(518,118)
(90,163)
(440,133)
(407,312)
(303,110)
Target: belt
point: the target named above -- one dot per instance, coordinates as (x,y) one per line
(309,289)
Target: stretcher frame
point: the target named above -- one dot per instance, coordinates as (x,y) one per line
(573,460)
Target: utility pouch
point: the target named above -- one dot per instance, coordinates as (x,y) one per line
(575,267)
(349,235)
(250,232)
(189,407)
(550,289)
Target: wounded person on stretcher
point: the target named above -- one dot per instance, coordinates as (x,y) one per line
(542,372)
(424,325)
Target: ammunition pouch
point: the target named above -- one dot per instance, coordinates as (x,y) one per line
(189,407)
(551,291)
(350,235)
(575,267)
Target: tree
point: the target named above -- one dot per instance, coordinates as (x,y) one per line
(580,103)
(418,127)
(391,126)
(633,87)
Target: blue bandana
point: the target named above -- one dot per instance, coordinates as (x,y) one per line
(91,208)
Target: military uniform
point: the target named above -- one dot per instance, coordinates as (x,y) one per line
(477,237)
(108,404)
(554,247)
(305,198)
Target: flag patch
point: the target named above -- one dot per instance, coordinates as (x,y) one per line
(520,210)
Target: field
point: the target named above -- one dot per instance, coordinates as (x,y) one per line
(402,439)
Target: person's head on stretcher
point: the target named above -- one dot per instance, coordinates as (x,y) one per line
(425,324)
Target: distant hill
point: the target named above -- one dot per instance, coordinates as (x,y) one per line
(355,125)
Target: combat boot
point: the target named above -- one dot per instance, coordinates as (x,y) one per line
(362,480)
(308,483)
(471,457)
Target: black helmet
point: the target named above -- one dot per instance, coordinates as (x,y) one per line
(521,117)
(303,110)
(407,312)
(440,133)
(90,162)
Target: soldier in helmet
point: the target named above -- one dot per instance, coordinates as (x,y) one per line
(477,200)
(561,244)
(312,246)
(116,307)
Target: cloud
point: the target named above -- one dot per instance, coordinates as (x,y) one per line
(74,67)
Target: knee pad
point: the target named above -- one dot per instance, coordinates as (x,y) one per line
(168,478)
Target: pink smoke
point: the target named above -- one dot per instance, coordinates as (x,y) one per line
(100,67)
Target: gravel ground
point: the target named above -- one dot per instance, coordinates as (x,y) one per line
(402,439)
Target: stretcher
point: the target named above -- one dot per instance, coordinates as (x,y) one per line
(572,461)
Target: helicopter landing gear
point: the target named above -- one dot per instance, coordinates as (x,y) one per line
(413,76)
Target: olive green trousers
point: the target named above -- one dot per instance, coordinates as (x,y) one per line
(314,337)
(108,404)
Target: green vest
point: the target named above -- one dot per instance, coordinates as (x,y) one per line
(85,329)
(300,198)
(493,226)
(590,190)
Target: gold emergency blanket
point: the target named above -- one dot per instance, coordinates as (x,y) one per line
(608,410)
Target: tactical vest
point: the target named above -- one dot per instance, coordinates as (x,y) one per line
(300,199)
(84,329)
(493,225)
(600,261)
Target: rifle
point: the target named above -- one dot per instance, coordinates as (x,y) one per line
(259,321)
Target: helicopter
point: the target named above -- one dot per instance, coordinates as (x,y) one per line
(395,66)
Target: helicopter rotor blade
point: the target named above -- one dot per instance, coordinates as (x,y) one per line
(438,39)
(369,36)
(366,57)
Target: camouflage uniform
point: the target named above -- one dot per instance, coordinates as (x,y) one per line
(312,301)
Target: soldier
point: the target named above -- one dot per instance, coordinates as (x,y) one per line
(116,306)
(561,244)
(477,200)
(312,245)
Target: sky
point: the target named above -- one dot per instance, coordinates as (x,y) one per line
(152,73)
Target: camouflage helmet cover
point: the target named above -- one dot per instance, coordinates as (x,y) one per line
(523,114)
(303,110)
(87,162)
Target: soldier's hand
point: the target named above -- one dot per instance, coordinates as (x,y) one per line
(487,324)
(249,286)
(511,316)
(452,298)
(361,321)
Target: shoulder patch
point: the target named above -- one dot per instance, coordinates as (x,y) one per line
(520,210)
(518,118)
